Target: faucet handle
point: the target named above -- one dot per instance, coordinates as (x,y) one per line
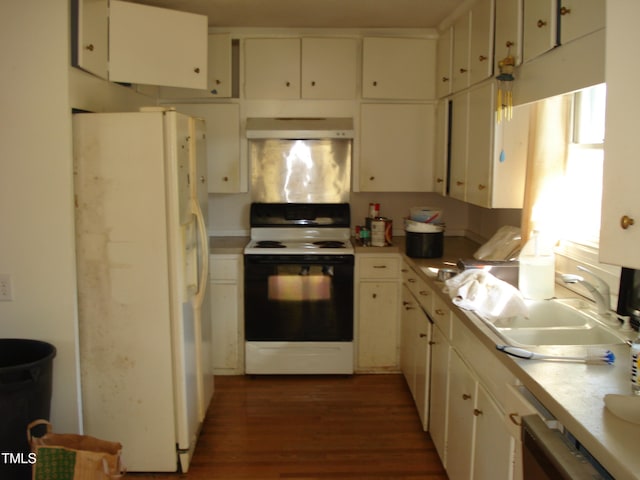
(601,285)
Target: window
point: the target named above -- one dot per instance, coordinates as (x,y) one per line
(583,168)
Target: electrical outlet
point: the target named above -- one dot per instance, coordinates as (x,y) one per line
(6,293)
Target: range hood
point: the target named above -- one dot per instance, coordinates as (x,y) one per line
(299,128)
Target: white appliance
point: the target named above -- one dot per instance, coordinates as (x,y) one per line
(142,261)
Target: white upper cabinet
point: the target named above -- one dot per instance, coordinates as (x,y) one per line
(620,223)
(219,68)
(580,17)
(396,147)
(508,31)
(398,68)
(441,147)
(461,38)
(293,68)
(157,46)
(443,63)
(540,27)
(91,36)
(488,160)
(329,68)
(481,45)
(226,172)
(272,68)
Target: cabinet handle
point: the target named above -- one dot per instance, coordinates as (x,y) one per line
(541,23)
(218,82)
(288,84)
(379,266)
(477,412)
(459,183)
(565,11)
(422,335)
(482,58)
(89,47)
(466,396)
(375,84)
(197,69)
(431,342)
(313,84)
(626,222)
(409,307)
(509,44)
(439,311)
(225,179)
(405,303)
(463,70)
(372,178)
(424,293)
(515,419)
(439,180)
(374,295)
(481,186)
(202,179)
(411,280)
(445,79)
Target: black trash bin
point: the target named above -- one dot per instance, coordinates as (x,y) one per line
(25,395)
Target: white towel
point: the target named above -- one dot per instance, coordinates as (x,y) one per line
(480,291)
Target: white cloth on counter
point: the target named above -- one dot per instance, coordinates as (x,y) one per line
(480,291)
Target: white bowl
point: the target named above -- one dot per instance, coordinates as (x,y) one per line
(426,214)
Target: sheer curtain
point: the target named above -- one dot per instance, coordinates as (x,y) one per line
(549,136)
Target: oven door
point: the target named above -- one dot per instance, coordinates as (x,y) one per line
(299,298)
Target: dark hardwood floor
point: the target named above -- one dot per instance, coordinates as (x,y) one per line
(312,427)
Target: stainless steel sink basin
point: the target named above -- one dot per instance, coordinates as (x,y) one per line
(556,322)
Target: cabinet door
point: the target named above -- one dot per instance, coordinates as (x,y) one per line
(378,325)
(461,37)
(329,68)
(494,446)
(461,421)
(408,332)
(619,237)
(398,68)
(439,392)
(580,17)
(458,144)
(396,148)
(441,147)
(272,68)
(226,173)
(218,72)
(91,44)
(508,38)
(443,63)
(480,144)
(224,327)
(540,27)
(481,47)
(422,368)
(157,46)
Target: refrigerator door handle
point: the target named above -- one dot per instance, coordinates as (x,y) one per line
(203,255)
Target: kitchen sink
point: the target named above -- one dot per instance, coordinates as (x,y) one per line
(570,321)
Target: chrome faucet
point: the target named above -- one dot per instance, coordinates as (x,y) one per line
(599,292)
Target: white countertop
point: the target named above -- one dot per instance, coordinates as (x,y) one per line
(572,392)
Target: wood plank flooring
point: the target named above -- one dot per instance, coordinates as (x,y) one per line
(312,428)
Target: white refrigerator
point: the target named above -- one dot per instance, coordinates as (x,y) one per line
(142,262)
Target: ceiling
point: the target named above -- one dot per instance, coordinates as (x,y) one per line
(317,13)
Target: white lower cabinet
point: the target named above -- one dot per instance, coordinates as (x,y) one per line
(415,337)
(439,392)
(377,311)
(227,327)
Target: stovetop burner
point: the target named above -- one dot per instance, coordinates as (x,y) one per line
(329,244)
(269,244)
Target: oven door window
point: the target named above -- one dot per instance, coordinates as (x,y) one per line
(298,301)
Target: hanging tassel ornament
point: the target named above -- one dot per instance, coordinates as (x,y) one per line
(504,97)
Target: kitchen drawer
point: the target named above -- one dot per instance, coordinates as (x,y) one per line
(441,315)
(418,287)
(224,267)
(378,267)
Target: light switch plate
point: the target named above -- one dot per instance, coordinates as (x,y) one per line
(6,293)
